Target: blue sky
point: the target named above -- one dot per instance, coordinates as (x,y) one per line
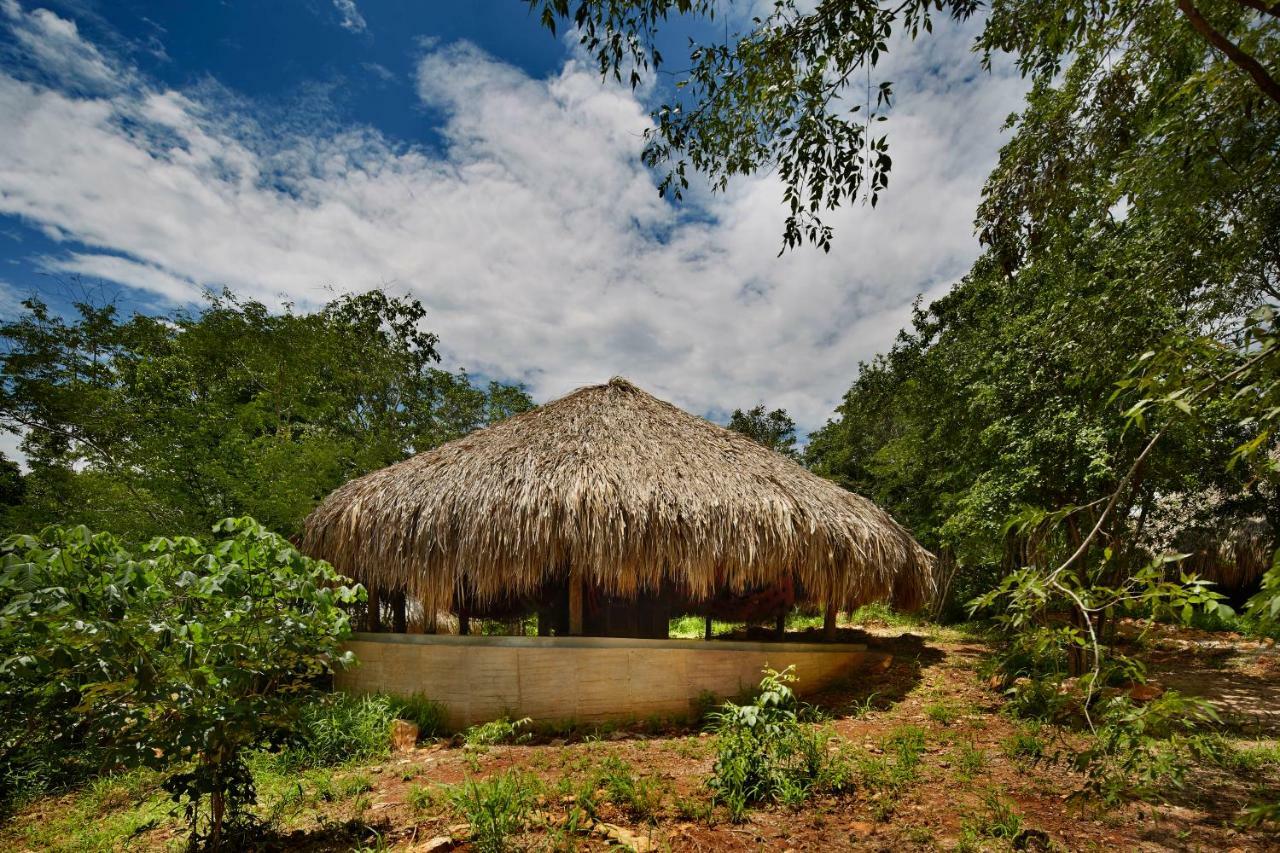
(294,149)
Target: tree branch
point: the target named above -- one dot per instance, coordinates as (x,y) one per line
(1242,60)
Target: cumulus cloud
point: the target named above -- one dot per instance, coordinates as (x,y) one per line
(535,236)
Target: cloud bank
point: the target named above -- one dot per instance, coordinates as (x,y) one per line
(533,235)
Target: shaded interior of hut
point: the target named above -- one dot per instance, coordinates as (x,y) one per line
(570,607)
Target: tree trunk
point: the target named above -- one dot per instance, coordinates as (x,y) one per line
(217,814)
(829,622)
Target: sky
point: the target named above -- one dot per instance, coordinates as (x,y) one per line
(459,153)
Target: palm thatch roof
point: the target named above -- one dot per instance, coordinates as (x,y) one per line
(625,489)
(1234,555)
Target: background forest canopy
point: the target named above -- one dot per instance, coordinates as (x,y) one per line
(163,425)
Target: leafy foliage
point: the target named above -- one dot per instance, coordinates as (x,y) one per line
(501,730)
(775,430)
(151,425)
(792,90)
(181,657)
(1140,747)
(764,752)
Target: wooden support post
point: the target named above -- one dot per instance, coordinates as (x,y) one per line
(544,624)
(464,620)
(829,622)
(707,632)
(399,613)
(373,611)
(575,603)
(781,630)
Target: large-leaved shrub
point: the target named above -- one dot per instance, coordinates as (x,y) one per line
(181,656)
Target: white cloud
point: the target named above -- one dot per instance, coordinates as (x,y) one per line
(536,239)
(351,19)
(54,45)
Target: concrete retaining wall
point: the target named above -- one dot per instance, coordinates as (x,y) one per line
(583,678)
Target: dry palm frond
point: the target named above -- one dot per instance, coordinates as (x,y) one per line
(626,490)
(1233,556)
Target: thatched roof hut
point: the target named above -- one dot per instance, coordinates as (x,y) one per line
(1234,554)
(625,493)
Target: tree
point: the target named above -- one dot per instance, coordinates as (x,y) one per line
(12,487)
(160,424)
(775,430)
(179,656)
(792,91)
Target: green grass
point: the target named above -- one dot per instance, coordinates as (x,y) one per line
(1025,746)
(694,628)
(496,808)
(100,816)
(640,796)
(942,712)
(339,729)
(883,613)
(996,820)
(969,759)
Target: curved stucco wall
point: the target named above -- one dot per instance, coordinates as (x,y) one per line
(583,678)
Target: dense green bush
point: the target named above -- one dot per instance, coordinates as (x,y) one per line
(182,657)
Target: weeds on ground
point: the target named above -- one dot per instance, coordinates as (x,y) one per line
(427,714)
(859,709)
(1024,746)
(498,731)
(1140,748)
(640,796)
(881,613)
(496,808)
(898,765)
(421,798)
(339,729)
(970,759)
(996,820)
(942,712)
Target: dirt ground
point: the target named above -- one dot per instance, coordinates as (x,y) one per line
(932,684)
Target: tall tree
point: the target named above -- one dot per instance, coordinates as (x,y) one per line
(146,425)
(1136,204)
(775,430)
